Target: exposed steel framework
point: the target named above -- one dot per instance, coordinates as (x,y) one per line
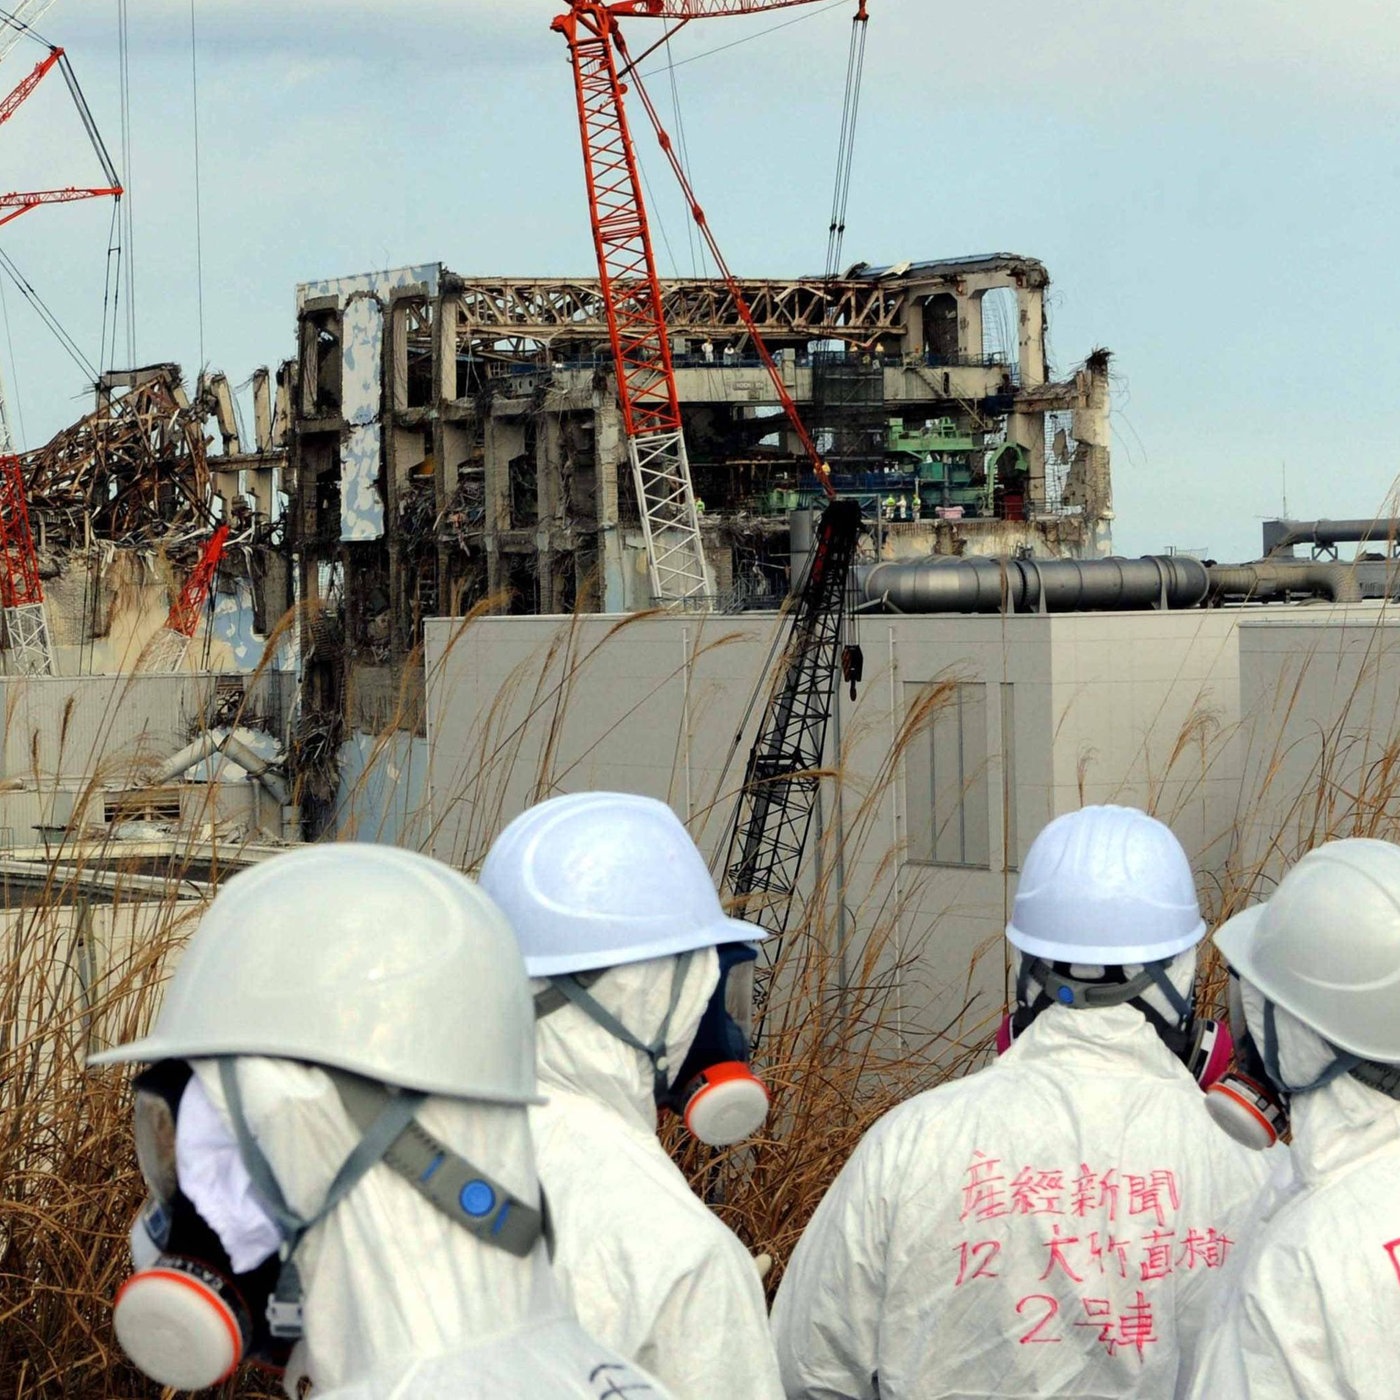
(859,311)
(631,289)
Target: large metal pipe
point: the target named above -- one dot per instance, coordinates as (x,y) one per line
(237,752)
(1283,534)
(1272,579)
(941,584)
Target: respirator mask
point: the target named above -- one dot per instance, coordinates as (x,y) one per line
(185,1316)
(714,1092)
(1202,1045)
(1252,1102)
(1244,1101)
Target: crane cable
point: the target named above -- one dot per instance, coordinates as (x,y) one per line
(855,68)
(198,190)
(128,231)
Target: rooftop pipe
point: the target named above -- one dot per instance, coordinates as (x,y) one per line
(1325,534)
(941,584)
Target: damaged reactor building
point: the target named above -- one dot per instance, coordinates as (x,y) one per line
(441,444)
(457,442)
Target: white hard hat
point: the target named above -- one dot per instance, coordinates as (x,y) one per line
(365,958)
(1326,947)
(1105,886)
(598,879)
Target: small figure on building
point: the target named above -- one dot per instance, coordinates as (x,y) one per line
(728,354)
(890,506)
(916,506)
(707,349)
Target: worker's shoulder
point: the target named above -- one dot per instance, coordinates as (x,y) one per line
(612,1177)
(943,1108)
(1361,1202)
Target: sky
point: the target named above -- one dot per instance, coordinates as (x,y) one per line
(1214,188)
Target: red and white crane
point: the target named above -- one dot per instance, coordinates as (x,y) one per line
(21,592)
(646,382)
(16,202)
(777,798)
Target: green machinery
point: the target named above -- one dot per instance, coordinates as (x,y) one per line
(936,462)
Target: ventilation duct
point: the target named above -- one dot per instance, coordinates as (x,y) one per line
(947,585)
(1326,534)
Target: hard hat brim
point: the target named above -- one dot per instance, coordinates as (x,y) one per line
(724,930)
(1104,954)
(152,1048)
(1235,939)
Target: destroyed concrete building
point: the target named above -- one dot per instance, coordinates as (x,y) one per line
(121,503)
(457,441)
(440,444)
(121,509)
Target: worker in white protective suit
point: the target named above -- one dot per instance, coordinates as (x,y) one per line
(1313,1306)
(644,994)
(334,1134)
(1051,1225)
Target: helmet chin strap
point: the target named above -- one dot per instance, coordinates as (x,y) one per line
(1344,1063)
(389,1133)
(574,989)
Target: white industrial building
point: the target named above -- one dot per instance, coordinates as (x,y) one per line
(1249,729)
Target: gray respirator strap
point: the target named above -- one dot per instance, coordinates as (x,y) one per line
(468,1196)
(1343,1064)
(1385,1079)
(572,989)
(284,1308)
(551,999)
(1186,1013)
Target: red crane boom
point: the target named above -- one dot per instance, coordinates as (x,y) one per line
(21,592)
(166,650)
(646,381)
(19,202)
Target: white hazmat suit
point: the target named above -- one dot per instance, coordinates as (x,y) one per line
(1051,1225)
(1313,1308)
(399,1301)
(646,1265)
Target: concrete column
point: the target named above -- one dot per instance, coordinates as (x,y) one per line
(550,523)
(1088,483)
(970,326)
(608,454)
(1030,303)
(396,354)
(913,342)
(1028,429)
(445,347)
(502,439)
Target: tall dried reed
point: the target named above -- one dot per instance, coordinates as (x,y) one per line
(839,1047)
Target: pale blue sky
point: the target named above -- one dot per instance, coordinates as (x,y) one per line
(1213,186)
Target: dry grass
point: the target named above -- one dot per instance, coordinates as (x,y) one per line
(840,1046)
